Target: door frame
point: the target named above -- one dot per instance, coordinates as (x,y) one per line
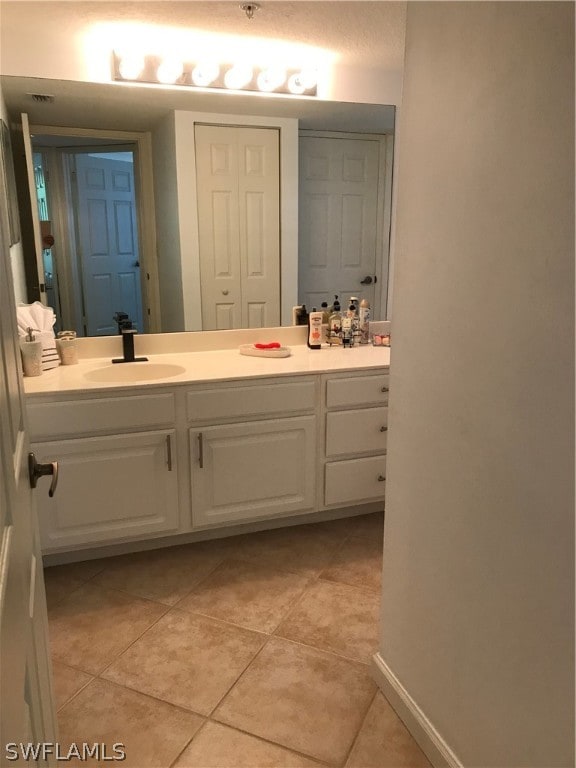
(383,208)
(145,212)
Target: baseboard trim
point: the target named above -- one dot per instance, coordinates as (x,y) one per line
(429,740)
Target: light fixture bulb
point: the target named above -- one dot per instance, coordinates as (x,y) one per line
(270,79)
(295,84)
(308,78)
(169,71)
(205,73)
(238,76)
(130,67)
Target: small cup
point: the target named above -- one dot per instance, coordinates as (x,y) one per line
(31,357)
(67,351)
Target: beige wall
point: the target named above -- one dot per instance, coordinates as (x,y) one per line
(478,597)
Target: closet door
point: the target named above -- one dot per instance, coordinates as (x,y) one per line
(237,175)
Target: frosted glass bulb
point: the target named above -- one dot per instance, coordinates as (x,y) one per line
(295,85)
(169,71)
(238,76)
(270,79)
(204,74)
(130,67)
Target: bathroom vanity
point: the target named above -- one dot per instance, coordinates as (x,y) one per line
(194,444)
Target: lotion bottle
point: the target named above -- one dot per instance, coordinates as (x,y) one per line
(364,320)
(315,329)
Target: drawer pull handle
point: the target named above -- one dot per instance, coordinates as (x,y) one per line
(381,478)
(383,429)
(169,452)
(385,389)
(200,450)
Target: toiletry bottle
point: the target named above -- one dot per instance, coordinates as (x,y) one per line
(315,329)
(335,324)
(347,331)
(352,315)
(364,320)
(325,312)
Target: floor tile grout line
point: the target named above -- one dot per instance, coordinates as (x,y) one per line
(240,676)
(85,685)
(130,688)
(362,721)
(185,747)
(274,743)
(140,636)
(352,586)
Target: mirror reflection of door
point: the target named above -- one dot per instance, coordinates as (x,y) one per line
(342,192)
(86,199)
(104,211)
(238,183)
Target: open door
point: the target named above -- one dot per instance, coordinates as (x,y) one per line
(26,704)
(35,241)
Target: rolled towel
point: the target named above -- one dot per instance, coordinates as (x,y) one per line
(41,319)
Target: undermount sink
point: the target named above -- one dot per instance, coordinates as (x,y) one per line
(123,372)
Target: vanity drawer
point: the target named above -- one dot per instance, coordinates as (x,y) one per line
(357,431)
(355,480)
(257,400)
(105,414)
(357,390)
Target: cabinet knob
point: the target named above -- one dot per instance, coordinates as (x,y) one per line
(384,389)
(383,429)
(225,292)
(381,478)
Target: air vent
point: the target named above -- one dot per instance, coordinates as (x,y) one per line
(42,98)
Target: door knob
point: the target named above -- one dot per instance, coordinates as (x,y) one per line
(36,471)
(136,263)
(366,281)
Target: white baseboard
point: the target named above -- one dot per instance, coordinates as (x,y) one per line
(427,737)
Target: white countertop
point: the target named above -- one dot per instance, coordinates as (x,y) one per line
(206,366)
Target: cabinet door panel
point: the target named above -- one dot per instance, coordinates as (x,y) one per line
(109,488)
(253,470)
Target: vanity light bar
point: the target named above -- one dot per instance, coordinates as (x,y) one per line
(238,77)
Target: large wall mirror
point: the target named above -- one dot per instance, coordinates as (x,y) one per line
(194,210)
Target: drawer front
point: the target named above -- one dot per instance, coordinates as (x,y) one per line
(355,480)
(360,431)
(113,414)
(258,400)
(357,390)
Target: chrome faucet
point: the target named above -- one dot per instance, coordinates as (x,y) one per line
(127,331)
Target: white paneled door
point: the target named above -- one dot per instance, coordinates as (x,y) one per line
(26,710)
(339,202)
(238,187)
(107,242)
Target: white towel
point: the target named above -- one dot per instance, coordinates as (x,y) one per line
(40,319)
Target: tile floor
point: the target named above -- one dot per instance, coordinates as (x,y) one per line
(246,652)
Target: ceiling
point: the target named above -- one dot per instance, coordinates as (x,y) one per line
(370,34)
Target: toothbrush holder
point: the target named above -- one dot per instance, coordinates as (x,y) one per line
(31,357)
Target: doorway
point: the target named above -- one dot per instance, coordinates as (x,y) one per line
(87,201)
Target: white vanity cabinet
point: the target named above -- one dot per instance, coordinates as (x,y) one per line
(260,463)
(355,433)
(111,487)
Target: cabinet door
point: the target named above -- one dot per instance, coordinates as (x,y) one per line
(109,488)
(253,470)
